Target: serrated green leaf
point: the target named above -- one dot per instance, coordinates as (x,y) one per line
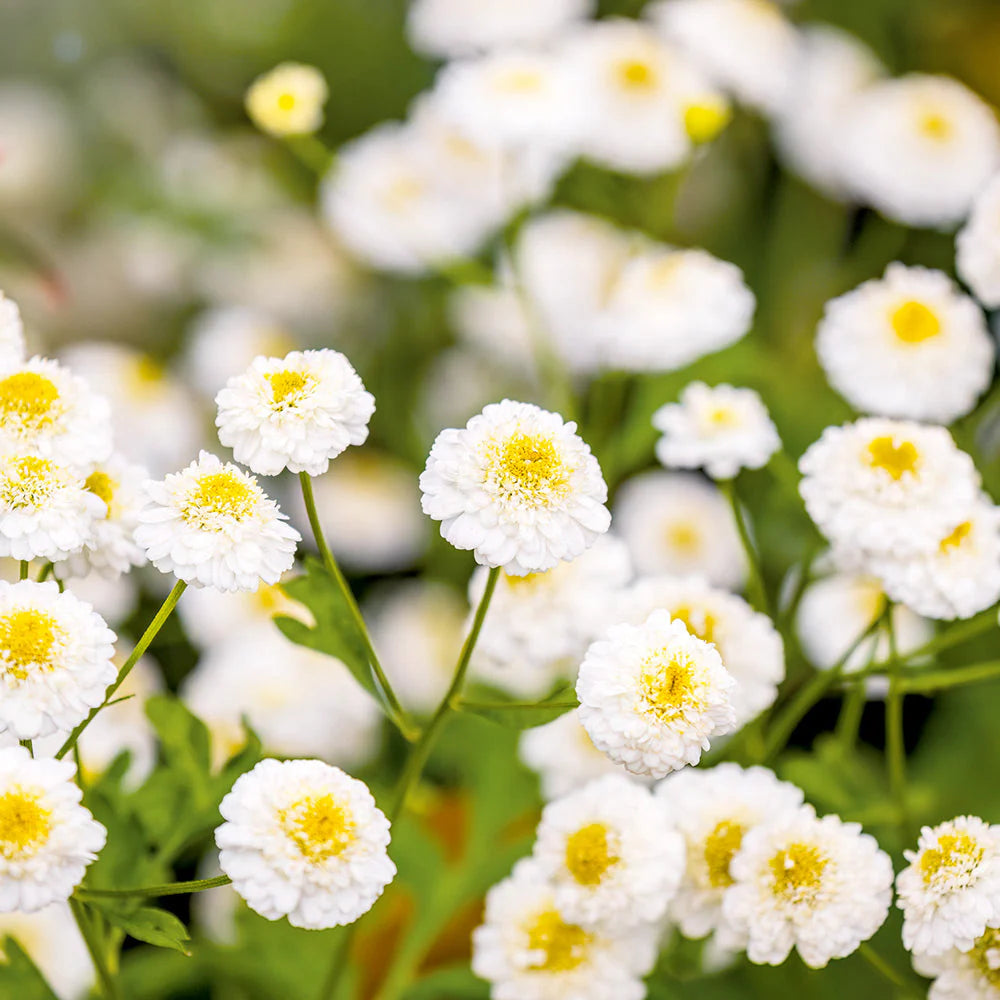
(145,923)
(19,976)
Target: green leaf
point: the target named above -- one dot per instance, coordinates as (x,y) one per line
(525,715)
(19,976)
(449,984)
(146,923)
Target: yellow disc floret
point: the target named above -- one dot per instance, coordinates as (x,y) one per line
(704,120)
(103,486)
(25,824)
(797,871)
(913,322)
(589,854)
(287,387)
(700,622)
(985,956)
(667,683)
(28,401)
(953,853)
(636,75)
(897,459)
(320,827)
(220,493)
(529,467)
(720,847)
(956,538)
(27,640)
(561,947)
(27,482)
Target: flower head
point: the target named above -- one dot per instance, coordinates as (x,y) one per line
(288,100)
(977,246)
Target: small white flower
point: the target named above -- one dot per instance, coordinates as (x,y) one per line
(213,526)
(518,487)
(950,891)
(294,413)
(610,854)
(11,334)
(288,100)
(977,246)
(907,345)
(973,974)
(52,940)
(720,429)
(527,951)
(714,810)
(47,839)
(653,696)
(304,840)
(818,885)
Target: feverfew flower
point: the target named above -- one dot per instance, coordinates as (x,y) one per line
(527,951)
(652,696)
(55,659)
(977,246)
(720,429)
(51,413)
(518,487)
(46,510)
(47,839)
(950,891)
(713,810)
(610,854)
(973,974)
(52,940)
(919,148)
(304,840)
(294,413)
(213,526)
(677,523)
(818,885)
(907,345)
(11,334)
(288,100)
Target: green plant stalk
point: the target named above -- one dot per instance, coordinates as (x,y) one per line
(109,985)
(464,704)
(756,591)
(942,680)
(24,569)
(960,632)
(155,891)
(393,709)
(168,605)
(895,746)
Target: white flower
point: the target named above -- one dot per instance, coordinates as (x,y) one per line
(115,599)
(886,486)
(46,510)
(973,974)
(527,951)
(299,702)
(47,839)
(919,148)
(819,885)
(288,100)
(950,891)
(55,659)
(907,345)
(977,246)
(494,320)
(51,413)
(213,526)
(304,840)
(11,334)
(676,523)
(540,625)
(747,46)
(518,487)
(714,810)
(718,428)
(460,27)
(563,755)
(749,644)
(294,413)
(52,940)
(610,854)
(652,696)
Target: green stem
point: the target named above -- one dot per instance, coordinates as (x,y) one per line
(756,591)
(311,152)
(141,646)
(895,745)
(45,571)
(393,709)
(24,569)
(876,961)
(28,746)
(155,891)
(954,635)
(464,704)
(109,985)
(941,680)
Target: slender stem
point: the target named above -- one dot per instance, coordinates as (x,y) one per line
(155,891)
(941,680)
(311,152)
(756,591)
(393,708)
(45,571)
(339,961)
(28,746)
(109,984)
(876,961)
(895,746)
(464,704)
(24,569)
(954,635)
(141,646)
(853,707)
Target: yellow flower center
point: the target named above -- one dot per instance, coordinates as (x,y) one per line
(897,460)
(530,466)
(520,81)
(589,854)
(29,399)
(320,827)
(667,683)
(697,621)
(402,192)
(704,121)
(636,74)
(797,870)
(913,322)
(720,846)
(287,387)
(957,537)
(221,493)
(145,378)
(27,482)
(953,852)
(286,101)
(935,125)
(103,486)
(985,955)
(25,824)
(563,946)
(684,537)
(27,638)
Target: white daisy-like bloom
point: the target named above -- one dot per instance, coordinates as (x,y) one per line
(973,974)
(718,428)
(47,839)
(747,46)
(111,548)
(749,644)
(610,854)
(950,890)
(518,486)
(295,413)
(451,28)
(653,696)
(212,525)
(977,246)
(55,659)
(495,321)
(887,487)
(288,100)
(115,599)
(11,334)
(679,524)
(670,307)
(907,345)
(540,625)
(713,810)
(46,510)
(919,148)
(50,412)
(306,841)
(563,756)
(527,951)
(52,940)
(299,702)
(831,67)
(816,884)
